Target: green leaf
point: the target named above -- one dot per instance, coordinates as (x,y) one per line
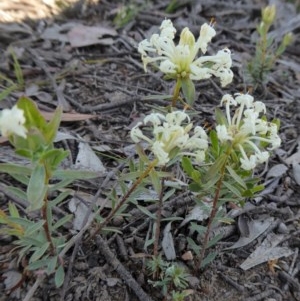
(193,245)
(195,187)
(214,141)
(31,113)
(59,198)
(17,68)
(157,97)
(7,91)
(15,169)
(13,210)
(188,89)
(52,262)
(147,212)
(213,241)
(22,179)
(39,252)
(52,126)
(168,194)
(21,221)
(216,167)
(187,166)
(60,185)
(37,189)
(17,192)
(236,177)
(33,228)
(220,117)
(155,180)
(62,221)
(54,157)
(59,276)
(38,264)
(233,189)
(198,228)
(208,259)
(74,174)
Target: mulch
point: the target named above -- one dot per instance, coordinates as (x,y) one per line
(104,91)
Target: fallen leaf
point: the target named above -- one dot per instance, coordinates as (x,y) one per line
(80,35)
(256,228)
(168,243)
(267,251)
(296,172)
(87,159)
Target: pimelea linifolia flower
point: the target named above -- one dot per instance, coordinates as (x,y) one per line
(180,61)
(171,138)
(246,129)
(12,122)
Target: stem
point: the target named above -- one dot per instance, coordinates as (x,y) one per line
(176,92)
(158,219)
(45,215)
(46,226)
(211,217)
(124,198)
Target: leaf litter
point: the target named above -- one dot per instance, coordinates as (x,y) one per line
(110,66)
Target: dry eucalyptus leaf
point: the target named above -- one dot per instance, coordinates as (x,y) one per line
(276,171)
(294,157)
(168,243)
(11,279)
(268,250)
(80,35)
(296,172)
(198,213)
(79,209)
(87,159)
(256,228)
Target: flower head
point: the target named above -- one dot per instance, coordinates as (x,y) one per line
(12,122)
(180,61)
(171,138)
(246,130)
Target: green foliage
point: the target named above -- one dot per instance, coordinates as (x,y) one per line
(12,86)
(172,278)
(267,50)
(39,239)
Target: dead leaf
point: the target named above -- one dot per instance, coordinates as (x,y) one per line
(296,172)
(87,159)
(79,209)
(276,171)
(256,228)
(168,243)
(80,35)
(267,251)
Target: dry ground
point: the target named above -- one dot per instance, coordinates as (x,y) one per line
(106,79)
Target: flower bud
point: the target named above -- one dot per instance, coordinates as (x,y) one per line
(287,39)
(268,14)
(187,38)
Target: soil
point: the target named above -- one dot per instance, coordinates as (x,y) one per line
(103,89)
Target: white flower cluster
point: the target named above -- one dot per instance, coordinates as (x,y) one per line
(180,60)
(171,138)
(12,122)
(245,130)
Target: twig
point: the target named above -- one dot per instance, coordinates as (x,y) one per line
(58,90)
(35,286)
(85,222)
(158,219)
(120,269)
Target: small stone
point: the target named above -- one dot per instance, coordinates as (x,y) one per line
(282,228)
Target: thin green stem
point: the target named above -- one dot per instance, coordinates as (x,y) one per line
(45,215)
(176,92)
(212,215)
(124,198)
(158,219)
